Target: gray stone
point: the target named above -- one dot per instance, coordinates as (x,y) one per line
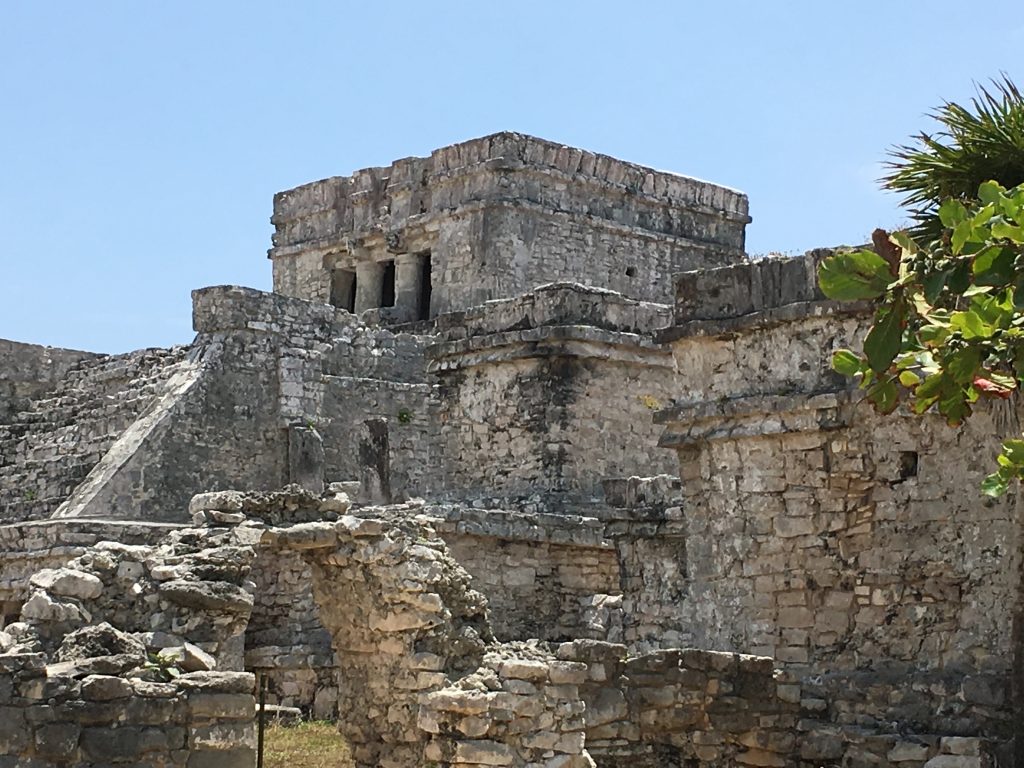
(99,640)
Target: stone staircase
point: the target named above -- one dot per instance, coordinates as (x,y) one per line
(47,449)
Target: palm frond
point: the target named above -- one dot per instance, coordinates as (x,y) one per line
(974,144)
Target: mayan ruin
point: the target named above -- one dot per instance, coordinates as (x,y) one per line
(523,462)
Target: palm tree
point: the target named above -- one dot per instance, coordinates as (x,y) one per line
(975,144)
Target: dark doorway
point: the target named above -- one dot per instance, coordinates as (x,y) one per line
(424,298)
(387,289)
(343,289)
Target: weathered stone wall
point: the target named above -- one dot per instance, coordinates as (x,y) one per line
(286,639)
(28,371)
(278,390)
(535,404)
(502,214)
(645,521)
(855,548)
(544,576)
(68,416)
(255,373)
(80,681)
(51,715)
(675,706)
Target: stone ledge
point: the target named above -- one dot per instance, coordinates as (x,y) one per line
(552,341)
(728,327)
(752,416)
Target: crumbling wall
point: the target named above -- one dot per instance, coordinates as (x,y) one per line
(372,373)
(646,523)
(121,657)
(26,548)
(675,706)
(285,638)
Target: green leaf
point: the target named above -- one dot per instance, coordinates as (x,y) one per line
(884,395)
(883,340)
(909,379)
(993,266)
(1007,382)
(1008,231)
(962,365)
(990,192)
(1014,451)
(932,386)
(971,325)
(959,277)
(974,290)
(933,285)
(951,213)
(846,362)
(904,241)
(953,404)
(962,233)
(854,276)
(995,484)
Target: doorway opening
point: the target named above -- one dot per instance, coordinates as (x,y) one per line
(343,289)
(387,289)
(424,297)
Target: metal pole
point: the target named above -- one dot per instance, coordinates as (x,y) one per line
(262,720)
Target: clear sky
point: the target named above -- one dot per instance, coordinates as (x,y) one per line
(141,143)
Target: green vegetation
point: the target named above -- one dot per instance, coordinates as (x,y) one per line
(948,328)
(974,144)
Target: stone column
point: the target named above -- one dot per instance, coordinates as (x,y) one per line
(369,283)
(408,288)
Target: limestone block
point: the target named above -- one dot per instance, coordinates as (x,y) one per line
(308,535)
(207,595)
(105,688)
(57,741)
(14,731)
(221,501)
(66,582)
(99,640)
(41,607)
(483,752)
(356,526)
(955,761)
(908,750)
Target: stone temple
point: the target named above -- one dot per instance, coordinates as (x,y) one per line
(522,463)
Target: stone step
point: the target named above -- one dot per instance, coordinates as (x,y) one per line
(47,448)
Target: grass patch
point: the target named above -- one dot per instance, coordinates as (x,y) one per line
(313,744)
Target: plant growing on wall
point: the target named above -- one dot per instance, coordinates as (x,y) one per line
(948,327)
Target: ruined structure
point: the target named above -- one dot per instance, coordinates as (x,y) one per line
(567,481)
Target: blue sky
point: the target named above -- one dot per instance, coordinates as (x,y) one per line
(141,143)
